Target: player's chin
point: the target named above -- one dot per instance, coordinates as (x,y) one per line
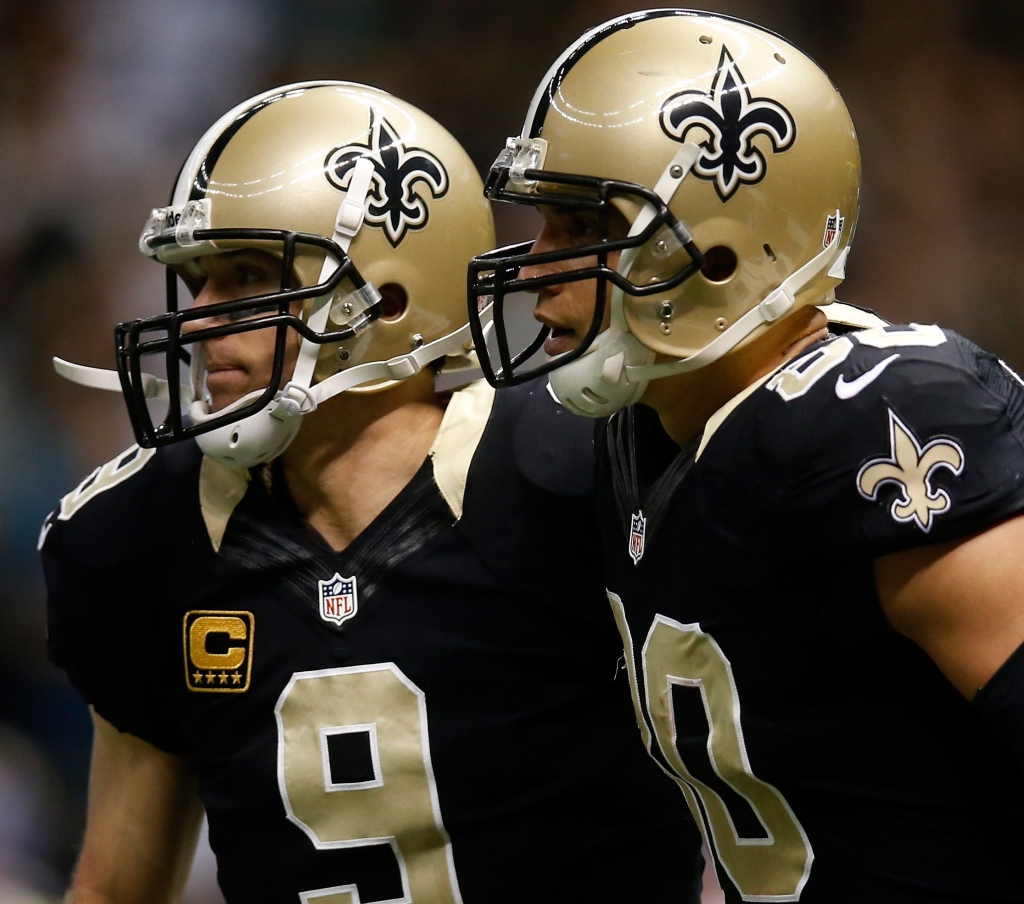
(227,386)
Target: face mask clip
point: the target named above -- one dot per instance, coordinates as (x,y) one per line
(348,310)
(527,154)
(195,215)
(175,224)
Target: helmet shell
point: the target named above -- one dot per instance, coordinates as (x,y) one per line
(278,161)
(780,164)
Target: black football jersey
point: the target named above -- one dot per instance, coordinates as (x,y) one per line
(436,714)
(826,757)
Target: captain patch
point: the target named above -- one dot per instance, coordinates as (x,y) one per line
(218,651)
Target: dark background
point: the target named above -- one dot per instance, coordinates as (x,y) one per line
(100,101)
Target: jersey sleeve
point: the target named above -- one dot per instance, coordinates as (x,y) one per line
(904,437)
(103,606)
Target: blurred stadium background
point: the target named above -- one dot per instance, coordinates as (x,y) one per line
(100,100)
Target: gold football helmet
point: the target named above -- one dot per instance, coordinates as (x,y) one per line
(352,189)
(736,164)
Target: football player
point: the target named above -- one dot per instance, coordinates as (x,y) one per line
(814,558)
(332,601)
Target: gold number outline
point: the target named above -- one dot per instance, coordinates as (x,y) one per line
(349,893)
(641,718)
(104,478)
(694,790)
(797,377)
(795,855)
(919,335)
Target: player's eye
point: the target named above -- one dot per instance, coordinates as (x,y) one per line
(254,311)
(578,229)
(250,274)
(583,226)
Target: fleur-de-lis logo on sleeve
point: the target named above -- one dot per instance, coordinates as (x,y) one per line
(910,466)
(395,202)
(731,118)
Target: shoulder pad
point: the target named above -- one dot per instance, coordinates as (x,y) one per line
(518,434)
(855,364)
(527,501)
(822,396)
(877,440)
(887,435)
(554,448)
(127,504)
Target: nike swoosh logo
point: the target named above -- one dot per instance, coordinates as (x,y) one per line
(848,390)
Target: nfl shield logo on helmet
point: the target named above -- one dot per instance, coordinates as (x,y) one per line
(637,529)
(339,600)
(833,227)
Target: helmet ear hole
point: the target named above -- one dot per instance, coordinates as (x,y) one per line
(720,264)
(393,302)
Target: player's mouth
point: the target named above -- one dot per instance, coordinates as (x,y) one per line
(560,340)
(226,383)
(561,336)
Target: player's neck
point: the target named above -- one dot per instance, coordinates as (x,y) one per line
(357,452)
(686,401)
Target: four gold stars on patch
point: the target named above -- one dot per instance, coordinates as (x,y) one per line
(216,677)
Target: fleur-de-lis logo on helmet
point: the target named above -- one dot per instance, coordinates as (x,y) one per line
(910,466)
(394,201)
(731,118)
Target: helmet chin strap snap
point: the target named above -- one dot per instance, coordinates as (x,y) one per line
(294,401)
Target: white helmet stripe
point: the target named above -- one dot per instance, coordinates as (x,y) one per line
(186,180)
(542,97)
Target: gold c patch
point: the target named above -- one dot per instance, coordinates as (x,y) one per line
(218,651)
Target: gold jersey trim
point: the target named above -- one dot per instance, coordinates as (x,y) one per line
(457,440)
(848,315)
(220,489)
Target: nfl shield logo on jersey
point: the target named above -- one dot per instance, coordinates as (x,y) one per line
(637,529)
(338,599)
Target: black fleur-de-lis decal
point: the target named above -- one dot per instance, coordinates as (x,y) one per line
(731,118)
(394,202)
